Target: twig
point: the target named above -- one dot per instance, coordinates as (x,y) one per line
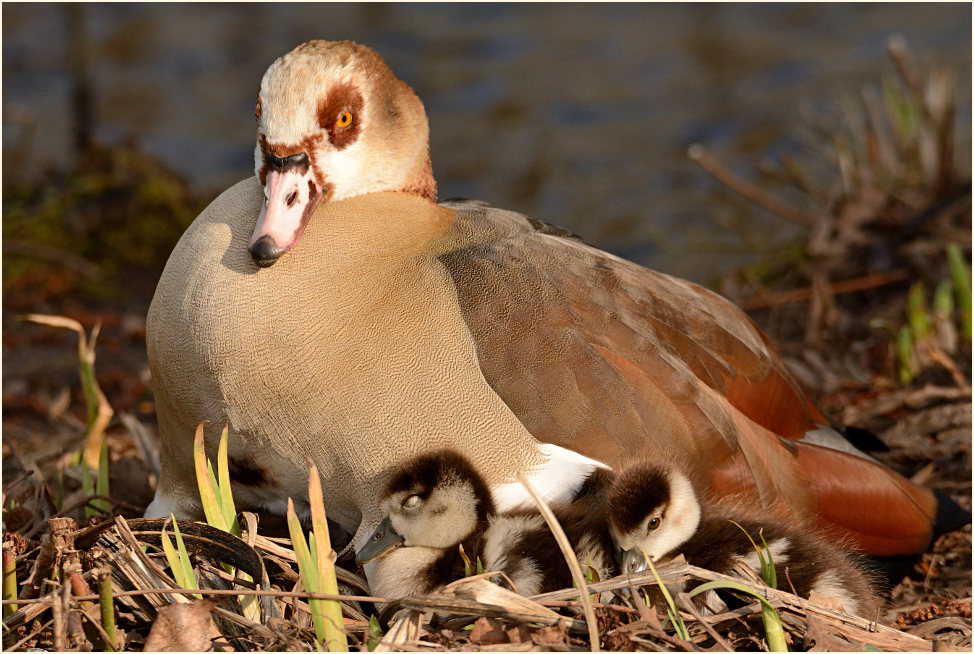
(566,550)
(215,591)
(873,280)
(708,162)
(49,623)
(687,604)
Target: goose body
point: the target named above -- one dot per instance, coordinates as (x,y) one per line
(653,511)
(328,309)
(438,501)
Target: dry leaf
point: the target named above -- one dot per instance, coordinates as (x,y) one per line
(487,631)
(549,635)
(183,628)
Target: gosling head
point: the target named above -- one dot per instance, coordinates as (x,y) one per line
(653,509)
(434,500)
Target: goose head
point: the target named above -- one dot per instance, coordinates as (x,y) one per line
(653,509)
(333,122)
(435,500)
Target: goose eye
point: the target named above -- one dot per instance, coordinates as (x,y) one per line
(411,502)
(654,522)
(344,120)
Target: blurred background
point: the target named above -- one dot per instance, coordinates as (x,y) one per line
(577,114)
(121,122)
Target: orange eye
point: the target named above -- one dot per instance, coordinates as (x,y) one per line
(344,120)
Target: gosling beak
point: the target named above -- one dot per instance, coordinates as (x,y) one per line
(633,561)
(291,195)
(382,541)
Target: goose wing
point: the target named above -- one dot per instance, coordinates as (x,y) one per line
(615,361)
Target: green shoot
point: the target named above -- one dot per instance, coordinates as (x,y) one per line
(467,563)
(325,560)
(217,501)
(375,633)
(916,311)
(943,300)
(671,611)
(88,489)
(904,355)
(768,573)
(178,558)
(773,630)
(470,568)
(99,412)
(107,606)
(226,495)
(9,580)
(960,275)
(101,487)
(316,565)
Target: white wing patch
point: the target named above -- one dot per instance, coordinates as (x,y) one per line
(556,479)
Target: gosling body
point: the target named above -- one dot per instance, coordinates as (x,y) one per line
(438,502)
(653,510)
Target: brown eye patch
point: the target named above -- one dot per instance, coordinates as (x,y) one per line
(339,114)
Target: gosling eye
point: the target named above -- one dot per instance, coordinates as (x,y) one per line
(377,536)
(411,502)
(654,522)
(344,120)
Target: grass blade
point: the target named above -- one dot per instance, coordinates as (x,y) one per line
(9,580)
(306,568)
(916,311)
(325,557)
(960,275)
(671,611)
(773,630)
(226,495)
(107,607)
(904,355)
(206,482)
(101,486)
(178,558)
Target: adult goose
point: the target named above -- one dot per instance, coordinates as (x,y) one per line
(328,308)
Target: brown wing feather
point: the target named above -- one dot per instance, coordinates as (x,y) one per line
(616,361)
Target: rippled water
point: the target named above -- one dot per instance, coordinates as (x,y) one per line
(576,114)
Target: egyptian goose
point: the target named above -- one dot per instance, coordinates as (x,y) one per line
(438,501)
(328,309)
(654,511)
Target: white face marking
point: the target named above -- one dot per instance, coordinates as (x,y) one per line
(557,478)
(678,522)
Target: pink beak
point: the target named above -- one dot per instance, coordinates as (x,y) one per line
(290,197)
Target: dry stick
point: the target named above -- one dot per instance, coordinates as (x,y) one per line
(687,603)
(49,623)
(708,162)
(213,591)
(566,550)
(60,624)
(873,280)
